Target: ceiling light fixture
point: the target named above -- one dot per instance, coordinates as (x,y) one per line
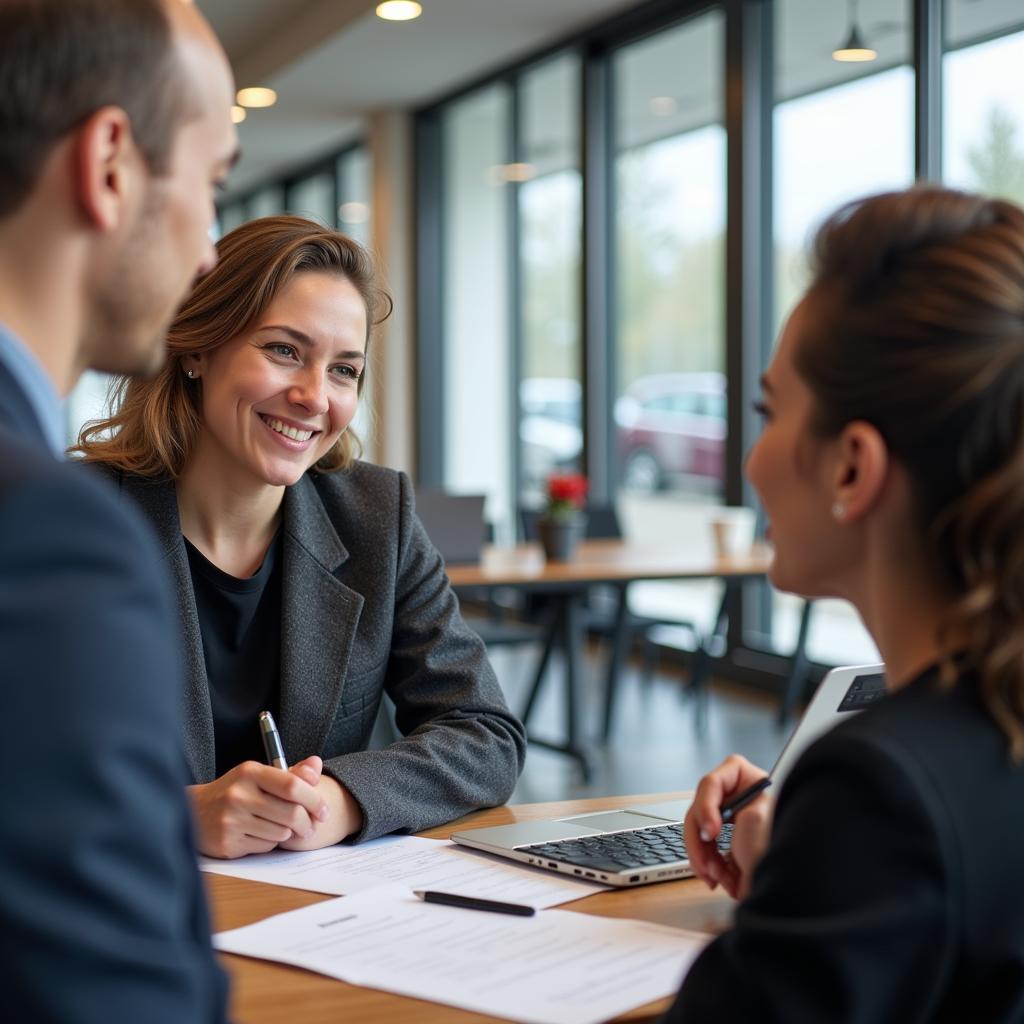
(354,213)
(237,114)
(854,50)
(399,10)
(503,174)
(256,96)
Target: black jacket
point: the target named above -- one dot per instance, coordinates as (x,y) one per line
(893,888)
(366,610)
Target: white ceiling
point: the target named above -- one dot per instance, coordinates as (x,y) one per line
(333,62)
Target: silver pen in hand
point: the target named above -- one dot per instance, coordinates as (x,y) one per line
(272,741)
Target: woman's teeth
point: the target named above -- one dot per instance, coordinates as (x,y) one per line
(283,428)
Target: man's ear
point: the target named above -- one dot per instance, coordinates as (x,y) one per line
(861,469)
(106,164)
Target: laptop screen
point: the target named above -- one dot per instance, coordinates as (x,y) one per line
(842,692)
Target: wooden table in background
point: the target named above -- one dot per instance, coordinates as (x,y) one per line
(615,563)
(270,993)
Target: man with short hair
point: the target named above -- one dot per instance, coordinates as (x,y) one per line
(114,129)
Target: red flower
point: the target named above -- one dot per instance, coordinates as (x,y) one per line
(567,493)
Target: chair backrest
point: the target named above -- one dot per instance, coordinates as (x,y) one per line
(602,522)
(454,522)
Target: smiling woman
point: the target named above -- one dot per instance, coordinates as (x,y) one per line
(277,398)
(306,584)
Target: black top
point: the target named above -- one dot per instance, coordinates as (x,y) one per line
(893,887)
(240,621)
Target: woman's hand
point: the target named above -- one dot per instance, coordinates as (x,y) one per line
(346,817)
(255,807)
(751,831)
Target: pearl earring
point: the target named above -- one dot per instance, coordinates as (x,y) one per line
(190,374)
(838,510)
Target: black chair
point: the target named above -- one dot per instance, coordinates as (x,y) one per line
(456,525)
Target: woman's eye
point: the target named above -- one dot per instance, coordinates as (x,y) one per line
(762,410)
(348,372)
(281,349)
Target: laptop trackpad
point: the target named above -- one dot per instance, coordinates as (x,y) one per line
(614,821)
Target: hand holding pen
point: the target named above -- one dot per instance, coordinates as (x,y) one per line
(254,807)
(733,791)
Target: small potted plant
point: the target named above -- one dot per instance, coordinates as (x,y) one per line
(563,522)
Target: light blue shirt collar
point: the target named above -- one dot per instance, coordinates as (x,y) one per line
(23,366)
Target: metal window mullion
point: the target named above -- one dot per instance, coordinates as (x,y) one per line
(597,322)
(516,295)
(927,27)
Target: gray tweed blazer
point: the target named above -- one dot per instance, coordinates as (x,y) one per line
(366,610)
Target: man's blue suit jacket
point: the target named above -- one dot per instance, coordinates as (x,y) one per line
(102,912)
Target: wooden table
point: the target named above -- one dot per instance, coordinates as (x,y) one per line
(615,563)
(269,993)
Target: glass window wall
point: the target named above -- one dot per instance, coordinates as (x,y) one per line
(549,205)
(841,130)
(354,193)
(477,356)
(669,349)
(983,120)
(510,186)
(313,197)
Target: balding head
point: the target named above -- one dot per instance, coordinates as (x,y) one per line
(62,60)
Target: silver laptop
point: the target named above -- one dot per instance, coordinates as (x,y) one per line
(638,845)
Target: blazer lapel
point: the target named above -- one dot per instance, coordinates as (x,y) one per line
(318,622)
(159,502)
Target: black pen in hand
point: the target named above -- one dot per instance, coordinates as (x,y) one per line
(736,803)
(450,899)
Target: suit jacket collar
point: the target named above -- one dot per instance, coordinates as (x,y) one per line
(17,413)
(26,373)
(318,622)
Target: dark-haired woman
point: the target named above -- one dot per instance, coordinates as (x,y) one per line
(306,584)
(888,882)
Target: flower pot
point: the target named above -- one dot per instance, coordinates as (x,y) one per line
(559,537)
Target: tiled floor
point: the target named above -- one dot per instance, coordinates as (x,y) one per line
(654,746)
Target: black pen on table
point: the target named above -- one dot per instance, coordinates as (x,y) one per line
(450,899)
(736,803)
(272,741)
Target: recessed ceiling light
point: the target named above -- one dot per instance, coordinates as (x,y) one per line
(354,213)
(256,96)
(399,10)
(501,174)
(237,114)
(662,106)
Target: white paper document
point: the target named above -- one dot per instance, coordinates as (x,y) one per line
(556,967)
(410,861)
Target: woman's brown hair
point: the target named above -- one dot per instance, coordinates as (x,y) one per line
(155,423)
(918,314)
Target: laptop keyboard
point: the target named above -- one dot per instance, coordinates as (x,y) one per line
(623,851)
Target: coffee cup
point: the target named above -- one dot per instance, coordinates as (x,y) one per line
(732,530)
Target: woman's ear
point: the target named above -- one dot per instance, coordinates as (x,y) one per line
(192,365)
(861,469)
